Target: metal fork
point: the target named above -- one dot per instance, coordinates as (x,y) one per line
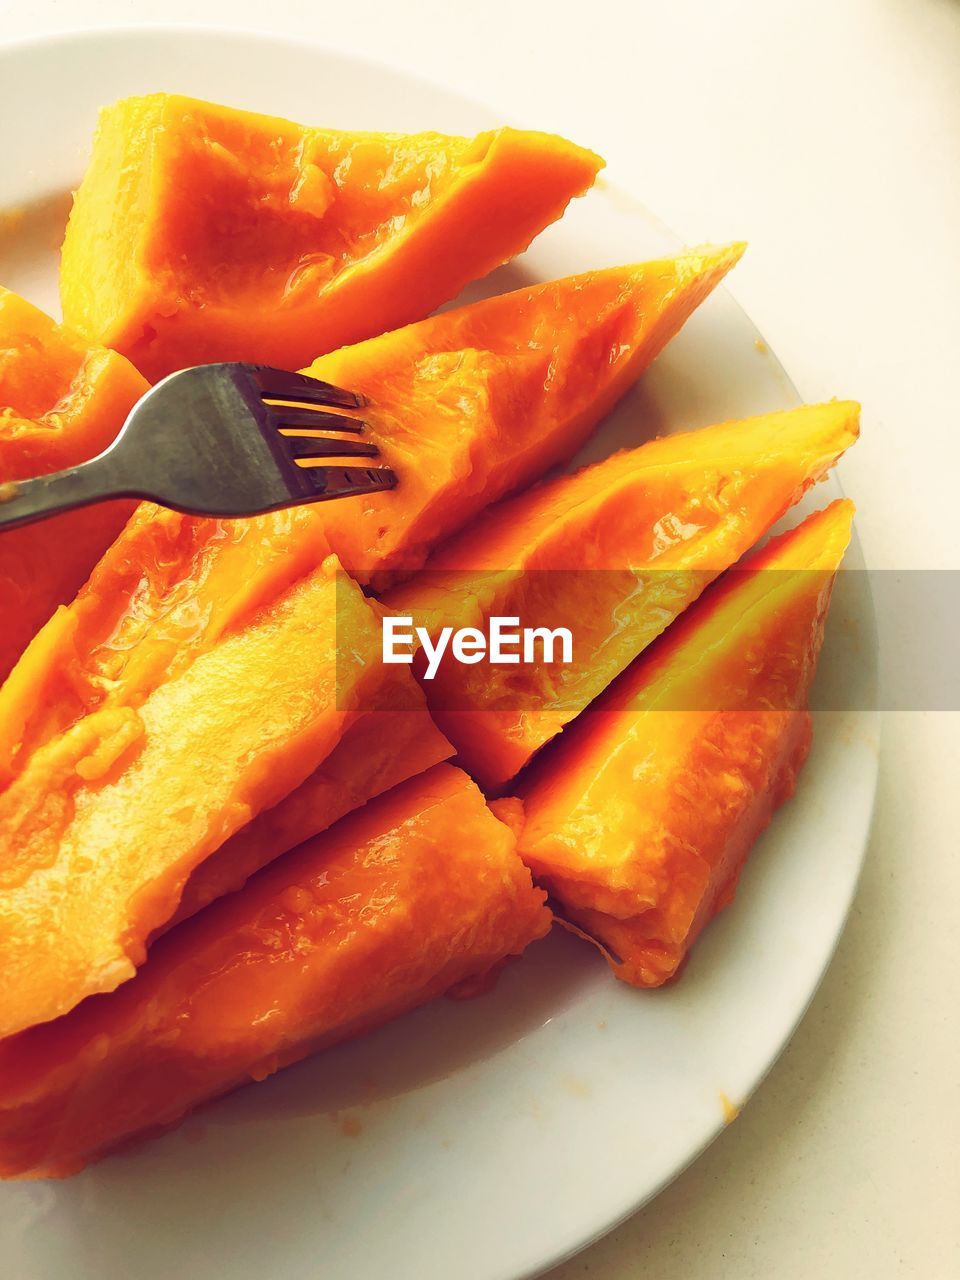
(213,441)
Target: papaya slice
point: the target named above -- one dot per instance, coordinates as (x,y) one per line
(613,554)
(418,892)
(62,401)
(200,233)
(393,738)
(478,402)
(466,406)
(104,824)
(640,819)
(167,590)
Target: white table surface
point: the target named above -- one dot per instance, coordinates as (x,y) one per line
(828,134)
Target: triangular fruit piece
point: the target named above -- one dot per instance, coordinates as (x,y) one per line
(393,738)
(466,406)
(475,403)
(105,822)
(62,401)
(200,233)
(640,819)
(612,554)
(418,893)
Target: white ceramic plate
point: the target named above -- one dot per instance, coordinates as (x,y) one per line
(485,1140)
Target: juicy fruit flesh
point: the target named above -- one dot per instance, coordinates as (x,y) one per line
(87,713)
(39,363)
(420,890)
(167,591)
(613,553)
(226,235)
(474,403)
(466,405)
(61,403)
(633,825)
(50,381)
(640,820)
(379,750)
(274,212)
(105,823)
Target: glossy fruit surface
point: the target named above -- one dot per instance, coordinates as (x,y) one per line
(613,554)
(393,738)
(640,819)
(475,403)
(62,401)
(200,233)
(417,892)
(105,822)
(466,406)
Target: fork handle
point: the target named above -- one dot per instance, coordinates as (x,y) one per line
(25,501)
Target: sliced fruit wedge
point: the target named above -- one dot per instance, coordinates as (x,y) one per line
(105,823)
(62,401)
(392,739)
(200,233)
(612,554)
(475,403)
(639,821)
(467,406)
(418,892)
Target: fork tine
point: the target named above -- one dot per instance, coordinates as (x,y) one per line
(324,447)
(286,419)
(277,384)
(342,482)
